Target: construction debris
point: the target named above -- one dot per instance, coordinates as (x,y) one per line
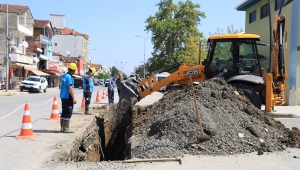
(169,128)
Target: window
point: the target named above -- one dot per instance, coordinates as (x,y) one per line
(264,11)
(55,44)
(248,58)
(278,4)
(252,17)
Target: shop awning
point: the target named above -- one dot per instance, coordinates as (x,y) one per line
(39,73)
(26,66)
(76,76)
(53,72)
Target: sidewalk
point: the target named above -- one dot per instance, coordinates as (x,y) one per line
(18,92)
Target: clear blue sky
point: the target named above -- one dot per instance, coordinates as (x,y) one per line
(112,25)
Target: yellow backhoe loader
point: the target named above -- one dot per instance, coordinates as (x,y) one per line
(233,57)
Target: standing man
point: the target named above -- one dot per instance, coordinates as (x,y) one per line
(119,80)
(53,81)
(67,98)
(88,88)
(111,85)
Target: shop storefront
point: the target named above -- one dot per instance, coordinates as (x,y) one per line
(53,70)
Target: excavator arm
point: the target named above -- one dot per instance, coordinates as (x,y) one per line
(276,80)
(134,89)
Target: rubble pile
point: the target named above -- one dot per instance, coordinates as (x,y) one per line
(169,127)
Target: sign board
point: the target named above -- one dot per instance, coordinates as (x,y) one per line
(44,40)
(52,66)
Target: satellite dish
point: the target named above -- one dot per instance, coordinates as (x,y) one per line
(25,44)
(68,52)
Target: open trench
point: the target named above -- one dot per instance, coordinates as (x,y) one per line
(103,139)
(169,128)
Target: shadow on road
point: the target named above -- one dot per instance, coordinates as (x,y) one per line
(46,131)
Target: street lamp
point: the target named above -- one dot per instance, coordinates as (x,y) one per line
(144,52)
(122,67)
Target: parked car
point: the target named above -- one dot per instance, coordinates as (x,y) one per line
(78,83)
(106,82)
(161,76)
(34,83)
(101,81)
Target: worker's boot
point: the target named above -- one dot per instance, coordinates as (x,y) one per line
(66,124)
(86,111)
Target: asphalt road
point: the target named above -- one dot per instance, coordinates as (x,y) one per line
(40,106)
(30,153)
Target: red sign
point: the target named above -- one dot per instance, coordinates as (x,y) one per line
(298,48)
(52,66)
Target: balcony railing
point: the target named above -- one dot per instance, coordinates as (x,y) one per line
(23,24)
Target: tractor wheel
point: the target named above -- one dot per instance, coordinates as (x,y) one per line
(250,94)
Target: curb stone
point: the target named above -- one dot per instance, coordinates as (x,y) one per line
(19,93)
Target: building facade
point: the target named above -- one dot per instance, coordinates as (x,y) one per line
(68,41)
(257,22)
(20,24)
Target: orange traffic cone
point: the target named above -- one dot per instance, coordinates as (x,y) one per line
(54,113)
(83,103)
(103,94)
(26,129)
(97,97)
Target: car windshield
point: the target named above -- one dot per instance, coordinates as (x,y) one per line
(33,79)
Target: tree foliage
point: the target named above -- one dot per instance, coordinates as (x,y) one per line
(175,33)
(103,76)
(230,30)
(223,49)
(140,71)
(114,71)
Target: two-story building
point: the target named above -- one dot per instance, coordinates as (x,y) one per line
(20,24)
(257,22)
(68,41)
(41,44)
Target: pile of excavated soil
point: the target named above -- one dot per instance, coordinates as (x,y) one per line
(169,127)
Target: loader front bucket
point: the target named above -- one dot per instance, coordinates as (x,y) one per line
(128,96)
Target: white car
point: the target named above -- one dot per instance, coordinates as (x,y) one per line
(34,83)
(161,76)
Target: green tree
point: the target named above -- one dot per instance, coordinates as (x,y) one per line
(114,71)
(103,76)
(174,26)
(223,49)
(140,71)
(230,30)
(125,75)
(191,52)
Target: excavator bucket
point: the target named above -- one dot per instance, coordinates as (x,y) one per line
(129,95)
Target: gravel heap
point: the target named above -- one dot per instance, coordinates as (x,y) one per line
(169,127)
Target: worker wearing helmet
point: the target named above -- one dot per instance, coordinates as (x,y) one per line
(67,98)
(88,88)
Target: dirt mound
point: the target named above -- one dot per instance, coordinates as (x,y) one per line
(170,128)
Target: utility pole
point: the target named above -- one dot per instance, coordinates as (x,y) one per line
(6,60)
(144,51)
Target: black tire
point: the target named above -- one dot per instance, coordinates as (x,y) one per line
(249,93)
(45,90)
(21,89)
